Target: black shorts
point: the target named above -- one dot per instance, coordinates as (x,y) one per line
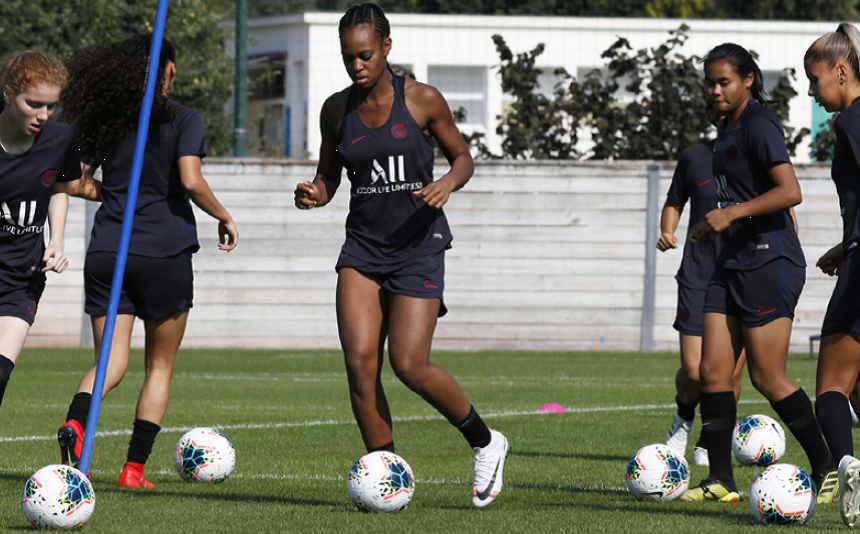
(759,296)
(421,277)
(843,311)
(152,288)
(689,317)
(23,303)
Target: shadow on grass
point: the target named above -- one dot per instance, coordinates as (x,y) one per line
(546,454)
(218,496)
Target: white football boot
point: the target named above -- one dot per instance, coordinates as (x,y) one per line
(678,436)
(489,464)
(849,491)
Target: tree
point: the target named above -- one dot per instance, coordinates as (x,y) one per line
(661,114)
(204,68)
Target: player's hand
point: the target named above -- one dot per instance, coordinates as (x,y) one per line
(435,194)
(306,195)
(831,261)
(55,259)
(702,233)
(228,235)
(667,241)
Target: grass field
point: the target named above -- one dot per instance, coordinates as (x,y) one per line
(288,415)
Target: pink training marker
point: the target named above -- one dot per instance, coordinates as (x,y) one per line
(552,408)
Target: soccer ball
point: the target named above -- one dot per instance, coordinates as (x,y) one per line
(758,440)
(657,472)
(205,455)
(58,497)
(782,494)
(380,481)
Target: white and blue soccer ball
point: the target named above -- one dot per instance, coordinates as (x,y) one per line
(657,472)
(205,454)
(758,440)
(380,481)
(782,494)
(58,497)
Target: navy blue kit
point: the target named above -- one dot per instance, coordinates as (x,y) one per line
(392,236)
(760,266)
(26,185)
(158,281)
(693,181)
(843,311)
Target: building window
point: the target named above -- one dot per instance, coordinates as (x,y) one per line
(266,77)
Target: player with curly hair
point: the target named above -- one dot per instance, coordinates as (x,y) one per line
(102,102)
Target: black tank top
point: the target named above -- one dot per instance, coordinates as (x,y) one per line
(385,165)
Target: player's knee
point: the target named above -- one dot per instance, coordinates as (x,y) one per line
(411,374)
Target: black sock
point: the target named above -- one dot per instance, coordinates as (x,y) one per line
(142,439)
(719,415)
(703,442)
(79,409)
(475,430)
(796,412)
(6,367)
(686,411)
(387,447)
(834,418)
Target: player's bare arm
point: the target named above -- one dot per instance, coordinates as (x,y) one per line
(431,112)
(318,193)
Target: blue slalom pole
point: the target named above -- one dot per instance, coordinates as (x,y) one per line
(125,236)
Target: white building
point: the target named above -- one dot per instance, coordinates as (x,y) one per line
(456,54)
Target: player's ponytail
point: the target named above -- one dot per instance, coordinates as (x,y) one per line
(844,43)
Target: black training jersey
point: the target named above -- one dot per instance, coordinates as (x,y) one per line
(694,181)
(26,185)
(164,223)
(742,159)
(845,172)
(385,165)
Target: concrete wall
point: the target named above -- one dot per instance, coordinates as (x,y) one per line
(546,256)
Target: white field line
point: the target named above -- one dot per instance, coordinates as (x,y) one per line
(332,422)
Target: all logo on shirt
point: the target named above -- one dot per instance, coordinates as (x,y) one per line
(388,178)
(22,223)
(49,177)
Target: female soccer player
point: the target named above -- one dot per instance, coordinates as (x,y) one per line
(391,267)
(833,67)
(38,158)
(102,103)
(693,180)
(760,273)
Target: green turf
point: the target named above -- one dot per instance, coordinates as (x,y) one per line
(288,415)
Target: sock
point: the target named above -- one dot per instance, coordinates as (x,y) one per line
(387,447)
(703,442)
(475,430)
(6,367)
(796,412)
(79,409)
(142,439)
(719,415)
(834,418)
(686,411)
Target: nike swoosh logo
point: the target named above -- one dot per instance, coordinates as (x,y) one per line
(354,141)
(428,285)
(483,495)
(762,313)
(705,182)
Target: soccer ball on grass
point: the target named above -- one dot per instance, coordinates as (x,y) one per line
(657,472)
(380,481)
(758,440)
(58,497)
(205,455)
(782,494)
